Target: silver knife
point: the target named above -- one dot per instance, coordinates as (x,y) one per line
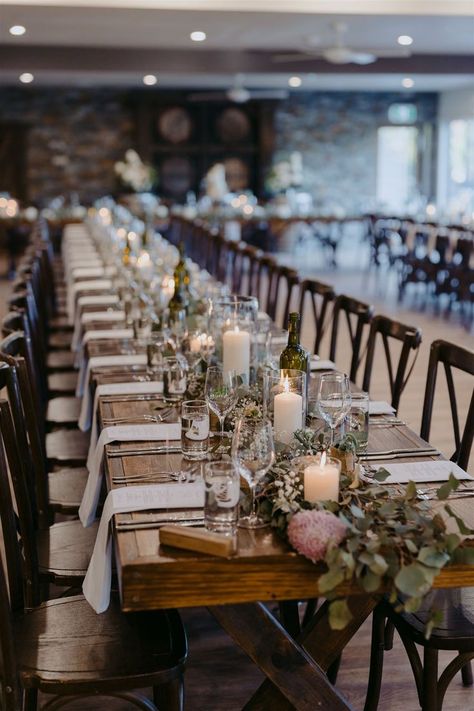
(136,452)
(399,455)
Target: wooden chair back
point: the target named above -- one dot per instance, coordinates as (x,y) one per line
(285,284)
(398,374)
(315,298)
(450,356)
(357,316)
(264,277)
(29,427)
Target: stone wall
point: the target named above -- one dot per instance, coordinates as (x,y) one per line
(74,138)
(336,133)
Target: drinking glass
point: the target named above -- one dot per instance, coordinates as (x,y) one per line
(334,400)
(221,497)
(253,453)
(357,422)
(198,346)
(175,372)
(194,429)
(221,394)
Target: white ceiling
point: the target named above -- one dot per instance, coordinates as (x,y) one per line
(438,27)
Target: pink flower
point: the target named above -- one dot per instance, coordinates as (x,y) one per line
(311,532)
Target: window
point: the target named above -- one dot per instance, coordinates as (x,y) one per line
(397,167)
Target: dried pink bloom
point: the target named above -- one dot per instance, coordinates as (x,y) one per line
(310,533)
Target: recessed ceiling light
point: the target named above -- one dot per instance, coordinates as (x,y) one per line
(408,83)
(405,40)
(198,36)
(150,80)
(26,78)
(17,30)
(294,82)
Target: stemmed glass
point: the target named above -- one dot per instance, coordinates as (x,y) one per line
(334,400)
(221,395)
(253,453)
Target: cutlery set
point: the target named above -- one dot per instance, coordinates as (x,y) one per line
(399,454)
(134,452)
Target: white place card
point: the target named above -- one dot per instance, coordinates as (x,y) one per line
(378,407)
(424,472)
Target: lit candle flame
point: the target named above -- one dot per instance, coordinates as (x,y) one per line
(286,385)
(324,457)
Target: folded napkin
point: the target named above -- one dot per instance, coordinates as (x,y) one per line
(378,407)
(100,334)
(99,300)
(133,388)
(96,585)
(423,472)
(89,318)
(118,433)
(97,361)
(88,285)
(317,363)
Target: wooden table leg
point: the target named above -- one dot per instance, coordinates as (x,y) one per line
(297,682)
(323,644)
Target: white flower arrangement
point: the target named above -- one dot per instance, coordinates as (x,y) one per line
(134,173)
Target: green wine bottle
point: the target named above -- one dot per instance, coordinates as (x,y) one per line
(180,299)
(294,355)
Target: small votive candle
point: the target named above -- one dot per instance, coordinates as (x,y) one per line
(287,414)
(236,352)
(321,479)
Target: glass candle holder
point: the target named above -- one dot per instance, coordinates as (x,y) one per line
(232,325)
(284,401)
(320,475)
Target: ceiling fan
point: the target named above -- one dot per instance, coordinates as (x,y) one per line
(238,93)
(339,52)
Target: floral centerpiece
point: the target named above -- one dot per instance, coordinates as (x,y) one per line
(373,537)
(135,174)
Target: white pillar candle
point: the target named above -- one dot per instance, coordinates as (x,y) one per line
(236,352)
(321,481)
(287,415)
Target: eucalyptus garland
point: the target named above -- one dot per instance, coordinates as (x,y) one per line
(373,536)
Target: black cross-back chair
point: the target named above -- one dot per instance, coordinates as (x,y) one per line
(387,330)
(356,316)
(283,284)
(39,647)
(321,295)
(457,631)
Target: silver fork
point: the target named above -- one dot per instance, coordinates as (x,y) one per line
(159,417)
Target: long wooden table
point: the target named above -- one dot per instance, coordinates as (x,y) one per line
(235,589)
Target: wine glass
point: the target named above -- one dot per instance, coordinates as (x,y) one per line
(221,394)
(334,400)
(253,453)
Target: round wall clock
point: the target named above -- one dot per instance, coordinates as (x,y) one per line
(175,125)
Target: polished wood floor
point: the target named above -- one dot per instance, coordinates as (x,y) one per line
(219,676)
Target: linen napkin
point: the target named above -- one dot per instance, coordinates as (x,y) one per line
(118,433)
(378,407)
(88,318)
(100,334)
(97,361)
(317,363)
(87,285)
(97,300)
(126,388)
(423,472)
(96,585)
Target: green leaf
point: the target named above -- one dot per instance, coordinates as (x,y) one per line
(435,619)
(371,582)
(432,557)
(464,556)
(339,614)
(381,474)
(465,530)
(411,546)
(380,565)
(330,580)
(446,489)
(357,511)
(413,580)
(410,491)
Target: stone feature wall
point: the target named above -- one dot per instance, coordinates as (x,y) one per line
(336,133)
(74,138)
